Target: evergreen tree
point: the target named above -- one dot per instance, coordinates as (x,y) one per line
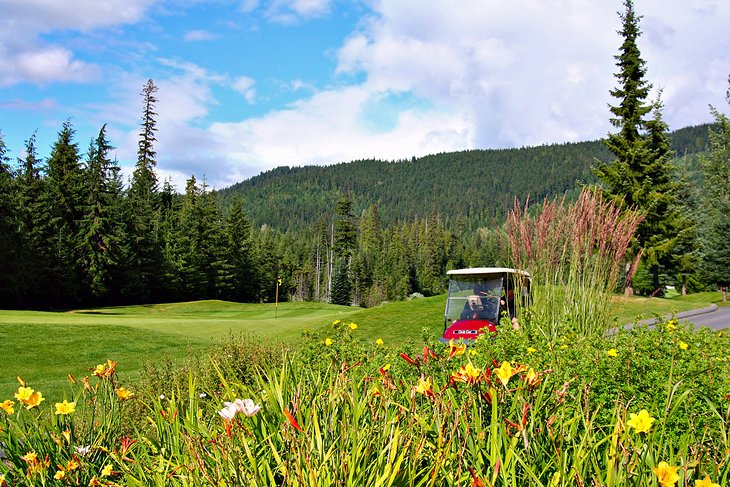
(341,287)
(641,176)
(9,237)
(716,205)
(99,238)
(142,210)
(65,196)
(241,254)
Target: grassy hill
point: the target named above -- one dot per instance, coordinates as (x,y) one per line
(43,347)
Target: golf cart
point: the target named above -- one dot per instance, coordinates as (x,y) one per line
(479,297)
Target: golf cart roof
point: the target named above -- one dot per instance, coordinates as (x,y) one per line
(484,271)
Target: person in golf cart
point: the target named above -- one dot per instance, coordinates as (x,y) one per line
(478,298)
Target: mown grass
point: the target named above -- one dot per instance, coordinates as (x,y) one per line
(43,347)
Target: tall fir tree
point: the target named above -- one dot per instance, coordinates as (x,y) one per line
(100,229)
(240,247)
(65,196)
(715,246)
(144,259)
(641,176)
(9,237)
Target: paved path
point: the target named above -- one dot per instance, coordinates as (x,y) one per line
(713,317)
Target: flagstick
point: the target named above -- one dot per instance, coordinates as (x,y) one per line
(276,306)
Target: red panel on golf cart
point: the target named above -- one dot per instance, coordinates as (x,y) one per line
(468,329)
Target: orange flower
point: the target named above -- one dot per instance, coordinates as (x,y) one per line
(505,372)
(455,350)
(292,420)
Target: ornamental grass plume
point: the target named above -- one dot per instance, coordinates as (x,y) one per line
(575,254)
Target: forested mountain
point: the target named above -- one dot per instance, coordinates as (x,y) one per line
(476,185)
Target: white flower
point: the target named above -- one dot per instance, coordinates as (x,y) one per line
(82,450)
(248,407)
(162,396)
(228,412)
(203,395)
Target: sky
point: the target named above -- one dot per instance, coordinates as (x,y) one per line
(249,85)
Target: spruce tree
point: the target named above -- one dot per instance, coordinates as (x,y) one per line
(65,196)
(9,237)
(240,248)
(142,212)
(100,231)
(641,176)
(715,165)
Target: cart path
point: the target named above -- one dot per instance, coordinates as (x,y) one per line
(714,317)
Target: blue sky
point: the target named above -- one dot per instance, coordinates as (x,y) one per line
(248,85)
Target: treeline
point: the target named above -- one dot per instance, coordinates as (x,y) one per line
(74,235)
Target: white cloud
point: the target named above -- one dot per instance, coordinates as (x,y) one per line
(290,11)
(199,35)
(246,86)
(45,65)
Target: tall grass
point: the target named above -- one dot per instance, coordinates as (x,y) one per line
(575,254)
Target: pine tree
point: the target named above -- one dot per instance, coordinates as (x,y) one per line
(341,287)
(142,211)
(99,238)
(641,176)
(716,203)
(65,196)
(241,253)
(10,244)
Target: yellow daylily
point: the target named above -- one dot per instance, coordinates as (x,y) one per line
(123,393)
(106,471)
(706,482)
(60,475)
(65,407)
(24,393)
(379,341)
(641,422)
(353,326)
(7,406)
(424,387)
(666,474)
(467,374)
(505,372)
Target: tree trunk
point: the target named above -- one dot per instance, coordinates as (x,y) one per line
(724,294)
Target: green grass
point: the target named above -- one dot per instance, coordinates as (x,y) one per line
(43,347)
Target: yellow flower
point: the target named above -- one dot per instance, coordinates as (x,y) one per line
(72,465)
(379,341)
(30,457)
(67,436)
(352,326)
(2,480)
(473,352)
(386,367)
(666,475)
(23,394)
(531,350)
(123,393)
(613,353)
(424,387)
(65,407)
(455,350)
(532,377)
(60,475)
(7,406)
(563,346)
(706,482)
(337,322)
(641,422)
(505,372)
(99,370)
(683,345)
(671,327)
(94,482)
(106,471)
(467,374)
(328,342)
(34,400)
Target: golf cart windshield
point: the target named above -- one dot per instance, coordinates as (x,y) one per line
(473,298)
